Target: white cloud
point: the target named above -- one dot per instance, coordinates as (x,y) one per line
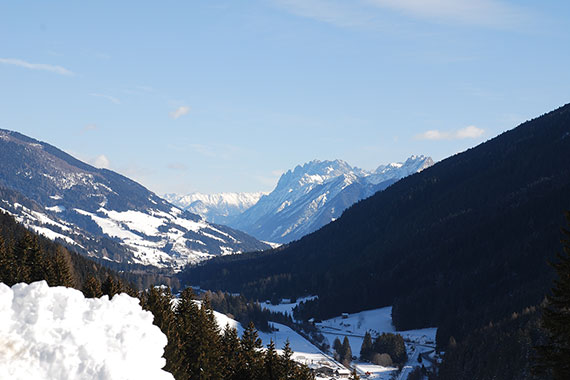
(36,66)
(108,97)
(488,13)
(101,162)
(180,111)
(343,14)
(470,132)
(179,166)
(89,127)
(484,13)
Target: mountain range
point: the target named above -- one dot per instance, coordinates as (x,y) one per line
(316,193)
(103,214)
(305,198)
(219,208)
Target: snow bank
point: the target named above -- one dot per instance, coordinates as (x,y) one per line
(56,333)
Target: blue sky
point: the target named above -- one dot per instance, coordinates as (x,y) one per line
(216,96)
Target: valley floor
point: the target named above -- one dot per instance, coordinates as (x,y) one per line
(353,326)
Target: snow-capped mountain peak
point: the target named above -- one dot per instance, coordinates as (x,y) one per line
(216,208)
(316,193)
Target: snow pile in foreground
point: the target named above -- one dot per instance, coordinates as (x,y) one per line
(56,333)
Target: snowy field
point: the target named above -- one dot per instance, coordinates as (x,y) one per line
(376,321)
(285,307)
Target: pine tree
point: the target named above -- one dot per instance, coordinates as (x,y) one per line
(366,348)
(272,366)
(187,324)
(110,287)
(61,269)
(337,346)
(346,354)
(92,288)
(250,366)
(159,302)
(7,264)
(21,257)
(208,343)
(554,356)
(230,352)
(287,361)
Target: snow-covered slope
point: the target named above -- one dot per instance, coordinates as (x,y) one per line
(104,214)
(310,196)
(216,208)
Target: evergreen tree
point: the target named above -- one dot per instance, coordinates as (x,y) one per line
(159,302)
(187,324)
(110,287)
(346,352)
(230,352)
(287,362)
(337,346)
(209,345)
(393,345)
(7,264)
(250,366)
(22,257)
(61,272)
(272,368)
(92,288)
(554,356)
(366,348)
(39,267)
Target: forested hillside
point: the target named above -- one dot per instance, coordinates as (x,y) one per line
(456,246)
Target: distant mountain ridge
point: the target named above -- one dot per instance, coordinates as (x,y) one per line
(102,213)
(316,193)
(216,208)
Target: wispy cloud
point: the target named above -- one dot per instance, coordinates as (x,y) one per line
(36,66)
(180,111)
(344,14)
(470,132)
(178,166)
(488,13)
(483,13)
(89,127)
(108,97)
(100,162)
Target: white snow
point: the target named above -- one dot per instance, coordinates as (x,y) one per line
(136,220)
(56,208)
(57,334)
(45,220)
(285,307)
(52,235)
(376,321)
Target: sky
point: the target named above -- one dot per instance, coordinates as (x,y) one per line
(224,96)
